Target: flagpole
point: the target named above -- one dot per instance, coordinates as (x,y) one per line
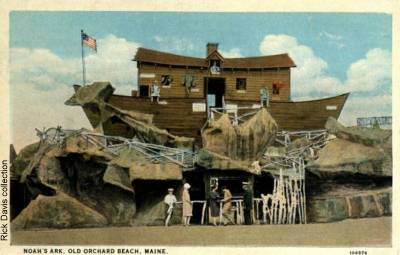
(83,62)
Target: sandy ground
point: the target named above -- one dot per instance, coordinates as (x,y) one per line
(360,232)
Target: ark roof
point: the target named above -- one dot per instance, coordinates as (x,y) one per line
(164,58)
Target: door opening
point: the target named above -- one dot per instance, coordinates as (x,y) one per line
(215,90)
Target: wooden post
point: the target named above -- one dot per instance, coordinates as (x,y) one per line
(220,213)
(203,210)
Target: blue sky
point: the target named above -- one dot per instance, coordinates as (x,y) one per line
(334,52)
(59,31)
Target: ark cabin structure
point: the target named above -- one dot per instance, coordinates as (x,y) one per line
(190,87)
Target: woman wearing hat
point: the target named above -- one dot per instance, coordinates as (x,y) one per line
(186,205)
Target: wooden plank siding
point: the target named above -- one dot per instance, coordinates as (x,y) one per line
(255,80)
(178,117)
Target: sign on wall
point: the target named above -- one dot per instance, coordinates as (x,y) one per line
(199,107)
(147,75)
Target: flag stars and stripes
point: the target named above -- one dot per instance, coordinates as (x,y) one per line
(89,41)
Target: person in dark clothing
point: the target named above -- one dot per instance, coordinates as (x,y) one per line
(214,204)
(247,203)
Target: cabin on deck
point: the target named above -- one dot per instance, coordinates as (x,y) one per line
(218,79)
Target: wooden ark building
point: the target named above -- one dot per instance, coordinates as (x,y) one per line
(231,78)
(190,86)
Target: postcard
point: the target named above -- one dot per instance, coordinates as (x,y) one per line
(199,129)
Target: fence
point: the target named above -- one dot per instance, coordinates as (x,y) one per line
(371,121)
(114,144)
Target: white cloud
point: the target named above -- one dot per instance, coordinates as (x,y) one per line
(232,53)
(371,72)
(32,108)
(372,106)
(310,75)
(41,82)
(310,70)
(368,76)
(113,62)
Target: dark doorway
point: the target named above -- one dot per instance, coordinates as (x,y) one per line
(143,90)
(215,90)
(233,184)
(263,184)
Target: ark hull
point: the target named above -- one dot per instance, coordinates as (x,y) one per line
(182,116)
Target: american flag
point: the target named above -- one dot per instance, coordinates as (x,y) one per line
(89,41)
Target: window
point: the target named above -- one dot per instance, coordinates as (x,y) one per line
(215,67)
(143,90)
(240,83)
(275,89)
(166,80)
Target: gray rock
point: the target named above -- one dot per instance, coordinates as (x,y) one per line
(344,158)
(366,136)
(153,214)
(60,211)
(359,204)
(247,141)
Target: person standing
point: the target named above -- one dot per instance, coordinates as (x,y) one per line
(247,203)
(264,97)
(186,205)
(155,92)
(169,201)
(226,209)
(214,204)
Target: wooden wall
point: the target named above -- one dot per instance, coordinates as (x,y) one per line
(255,80)
(178,117)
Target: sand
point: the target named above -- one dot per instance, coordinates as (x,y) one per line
(360,232)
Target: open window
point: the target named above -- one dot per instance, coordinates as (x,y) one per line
(166,80)
(143,90)
(240,83)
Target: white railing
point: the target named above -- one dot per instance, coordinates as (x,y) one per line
(232,113)
(114,144)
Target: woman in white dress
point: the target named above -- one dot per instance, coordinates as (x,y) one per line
(186,205)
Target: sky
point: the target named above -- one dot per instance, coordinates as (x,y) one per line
(334,52)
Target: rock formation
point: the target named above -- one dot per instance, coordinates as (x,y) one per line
(246,141)
(88,174)
(94,101)
(365,151)
(59,211)
(328,207)
(352,176)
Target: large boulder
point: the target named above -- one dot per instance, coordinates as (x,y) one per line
(79,169)
(60,211)
(246,141)
(330,207)
(342,158)
(153,214)
(94,93)
(211,160)
(89,179)
(366,136)
(141,168)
